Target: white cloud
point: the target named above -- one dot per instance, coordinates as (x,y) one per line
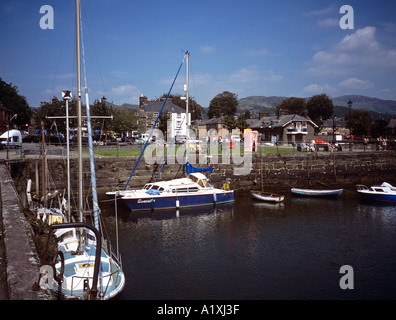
(125,94)
(313,89)
(356,53)
(207,49)
(321,12)
(329,22)
(244,75)
(356,84)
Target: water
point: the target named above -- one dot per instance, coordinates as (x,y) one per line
(258,251)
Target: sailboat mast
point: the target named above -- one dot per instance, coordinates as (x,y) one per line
(187,118)
(187,84)
(79,131)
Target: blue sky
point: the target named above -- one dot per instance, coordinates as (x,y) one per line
(249,47)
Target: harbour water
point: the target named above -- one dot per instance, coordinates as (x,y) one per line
(251,250)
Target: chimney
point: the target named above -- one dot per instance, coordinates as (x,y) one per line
(263,114)
(142,102)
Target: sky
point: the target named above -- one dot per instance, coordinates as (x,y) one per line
(248,47)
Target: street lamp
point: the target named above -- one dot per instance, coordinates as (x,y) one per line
(349,103)
(66,95)
(8,132)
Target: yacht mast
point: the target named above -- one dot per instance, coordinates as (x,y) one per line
(187,114)
(79,132)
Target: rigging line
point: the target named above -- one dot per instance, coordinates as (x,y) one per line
(94,50)
(96,210)
(60,55)
(155,123)
(173,141)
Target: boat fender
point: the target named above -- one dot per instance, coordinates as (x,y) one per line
(177,203)
(214,198)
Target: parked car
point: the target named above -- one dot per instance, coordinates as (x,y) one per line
(84,140)
(11,139)
(32,138)
(180,139)
(235,137)
(55,139)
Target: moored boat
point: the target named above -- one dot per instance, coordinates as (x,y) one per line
(267,196)
(193,190)
(85,267)
(383,193)
(317,192)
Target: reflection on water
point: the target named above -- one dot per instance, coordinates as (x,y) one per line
(256,250)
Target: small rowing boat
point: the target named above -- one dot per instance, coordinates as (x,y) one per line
(316,192)
(267,196)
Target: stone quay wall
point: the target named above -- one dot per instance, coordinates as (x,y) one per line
(276,171)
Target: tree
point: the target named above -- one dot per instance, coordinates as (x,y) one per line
(123,121)
(55,108)
(101,108)
(360,122)
(11,99)
(292,105)
(241,122)
(229,122)
(320,107)
(225,103)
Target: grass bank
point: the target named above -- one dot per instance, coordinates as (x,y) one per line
(131,152)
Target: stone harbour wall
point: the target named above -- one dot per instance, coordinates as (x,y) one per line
(276,171)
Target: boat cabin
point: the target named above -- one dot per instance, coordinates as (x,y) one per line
(193,183)
(198,178)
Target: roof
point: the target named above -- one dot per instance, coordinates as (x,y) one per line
(392,123)
(155,106)
(280,121)
(11,133)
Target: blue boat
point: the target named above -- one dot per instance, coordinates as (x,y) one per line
(383,193)
(191,191)
(316,192)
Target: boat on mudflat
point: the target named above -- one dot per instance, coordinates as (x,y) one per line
(383,193)
(317,192)
(267,196)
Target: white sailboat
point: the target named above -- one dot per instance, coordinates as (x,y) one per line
(191,191)
(85,268)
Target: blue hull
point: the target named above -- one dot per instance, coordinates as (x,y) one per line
(316,193)
(388,198)
(180,201)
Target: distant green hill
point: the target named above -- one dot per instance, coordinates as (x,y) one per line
(377,107)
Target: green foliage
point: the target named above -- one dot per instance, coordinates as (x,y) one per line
(44,239)
(292,105)
(196,110)
(123,121)
(229,122)
(361,122)
(11,100)
(225,103)
(320,107)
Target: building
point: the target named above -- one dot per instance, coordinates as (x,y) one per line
(391,128)
(335,126)
(149,111)
(5,116)
(287,129)
(214,126)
